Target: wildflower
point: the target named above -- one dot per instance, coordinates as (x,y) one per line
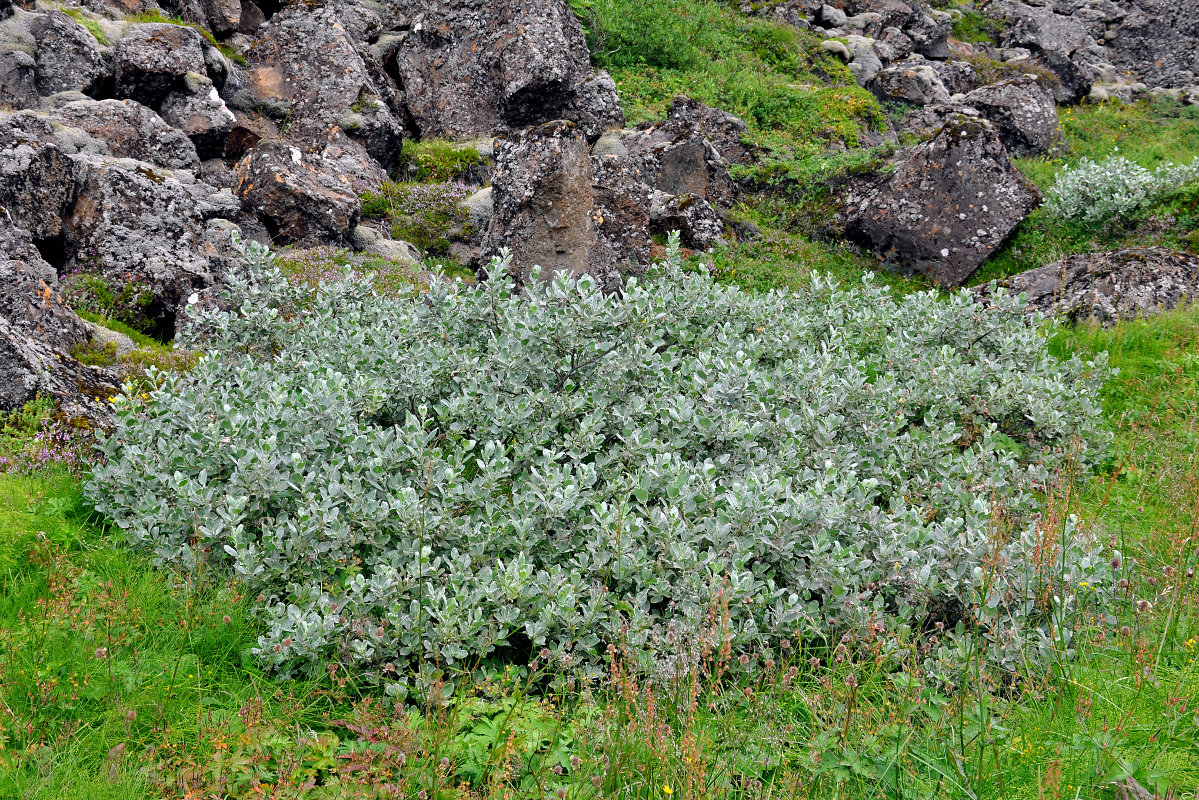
(666,790)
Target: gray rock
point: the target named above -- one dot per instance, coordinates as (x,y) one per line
(68,57)
(200,113)
(130,130)
(1108,286)
(104,337)
(304,58)
(132,220)
(698,224)
(299,197)
(38,179)
(865,63)
(479,208)
(18,66)
(30,366)
(1158,42)
(368,240)
(913,81)
(546,211)
(832,17)
(959,77)
(152,59)
(945,208)
(1023,111)
(473,67)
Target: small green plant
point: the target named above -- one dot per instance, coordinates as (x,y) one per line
(437,161)
(424,214)
(971,26)
(129,304)
(94,354)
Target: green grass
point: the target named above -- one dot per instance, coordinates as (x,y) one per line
(792,95)
(972,26)
(1150,134)
(93,27)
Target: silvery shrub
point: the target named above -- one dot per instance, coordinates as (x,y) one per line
(1095,191)
(474,474)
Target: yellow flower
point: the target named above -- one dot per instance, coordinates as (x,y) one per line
(666,790)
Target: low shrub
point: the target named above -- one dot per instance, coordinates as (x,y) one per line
(1095,191)
(474,475)
(438,161)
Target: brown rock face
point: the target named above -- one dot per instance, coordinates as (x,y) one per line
(471,68)
(556,208)
(299,197)
(131,131)
(1110,286)
(543,202)
(954,201)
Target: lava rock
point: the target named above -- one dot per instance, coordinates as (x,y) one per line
(954,201)
(698,224)
(1024,114)
(304,58)
(299,197)
(912,81)
(1108,286)
(68,57)
(549,213)
(152,59)
(200,113)
(130,130)
(471,68)
(38,178)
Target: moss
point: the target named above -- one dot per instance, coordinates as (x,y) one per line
(972,26)
(436,160)
(94,354)
(131,304)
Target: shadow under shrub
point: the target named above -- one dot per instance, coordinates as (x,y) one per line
(447,478)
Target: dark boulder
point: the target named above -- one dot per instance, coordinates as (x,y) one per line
(151,60)
(1158,42)
(549,211)
(304,59)
(1023,112)
(470,68)
(68,57)
(698,224)
(299,197)
(130,130)
(199,112)
(1108,286)
(951,203)
(913,81)
(38,179)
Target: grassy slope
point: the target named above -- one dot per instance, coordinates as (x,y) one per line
(175,676)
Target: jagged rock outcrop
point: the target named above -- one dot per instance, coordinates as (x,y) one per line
(300,197)
(1023,112)
(1158,42)
(199,112)
(470,68)
(152,59)
(306,64)
(1108,286)
(546,211)
(38,178)
(36,333)
(951,203)
(68,57)
(913,81)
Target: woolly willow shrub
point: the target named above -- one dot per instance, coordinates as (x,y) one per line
(472,474)
(1094,191)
